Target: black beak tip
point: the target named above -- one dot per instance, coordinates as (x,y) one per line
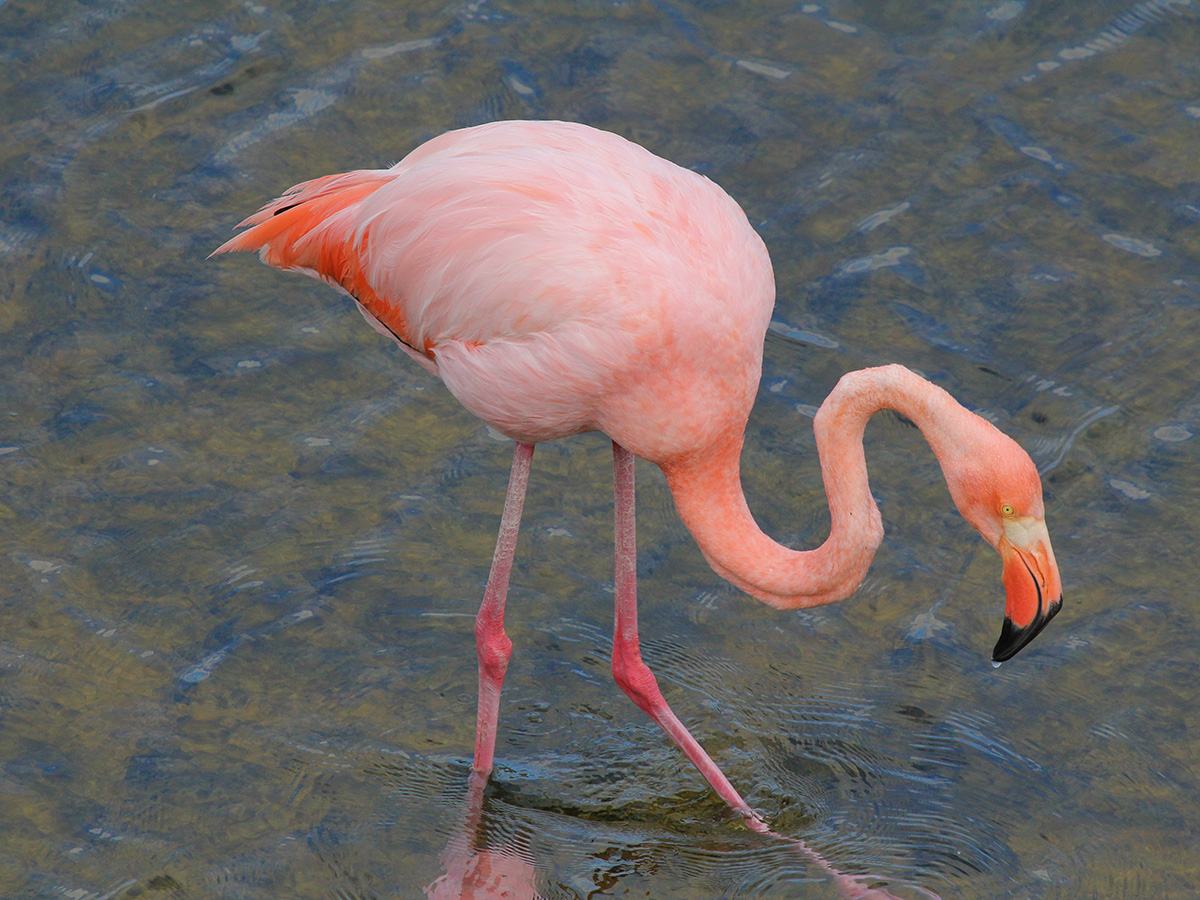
(1013,638)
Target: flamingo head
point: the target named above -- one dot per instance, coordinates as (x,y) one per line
(996,487)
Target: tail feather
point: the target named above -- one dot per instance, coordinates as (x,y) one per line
(312,228)
(282,229)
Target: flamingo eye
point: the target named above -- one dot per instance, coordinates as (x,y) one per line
(1007,510)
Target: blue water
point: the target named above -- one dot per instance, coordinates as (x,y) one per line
(244,539)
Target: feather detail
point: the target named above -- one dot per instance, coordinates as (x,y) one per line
(313,228)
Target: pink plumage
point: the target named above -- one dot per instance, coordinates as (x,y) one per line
(561,279)
(553,259)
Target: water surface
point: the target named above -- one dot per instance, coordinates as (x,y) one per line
(243,539)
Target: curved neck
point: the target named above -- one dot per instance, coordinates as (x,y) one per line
(708,494)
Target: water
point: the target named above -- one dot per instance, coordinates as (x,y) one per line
(243,540)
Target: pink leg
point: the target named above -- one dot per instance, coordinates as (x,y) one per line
(493,644)
(636,679)
(471,872)
(633,675)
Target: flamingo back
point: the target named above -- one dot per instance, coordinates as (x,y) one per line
(558,278)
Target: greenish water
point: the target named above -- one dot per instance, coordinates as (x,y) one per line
(243,540)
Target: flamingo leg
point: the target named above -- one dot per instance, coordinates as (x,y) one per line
(633,675)
(636,679)
(493,644)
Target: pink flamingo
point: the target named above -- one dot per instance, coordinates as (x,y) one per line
(561,279)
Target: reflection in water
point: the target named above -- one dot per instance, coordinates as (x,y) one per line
(192,461)
(475,872)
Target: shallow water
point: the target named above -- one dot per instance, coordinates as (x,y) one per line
(244,540)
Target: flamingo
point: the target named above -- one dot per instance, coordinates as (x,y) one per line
(561,279)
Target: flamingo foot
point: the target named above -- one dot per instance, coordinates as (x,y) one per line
(849,887)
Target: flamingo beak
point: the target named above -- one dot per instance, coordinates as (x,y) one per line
(1033,589)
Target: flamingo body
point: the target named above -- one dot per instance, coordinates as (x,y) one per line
(561,279)
(559,261)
